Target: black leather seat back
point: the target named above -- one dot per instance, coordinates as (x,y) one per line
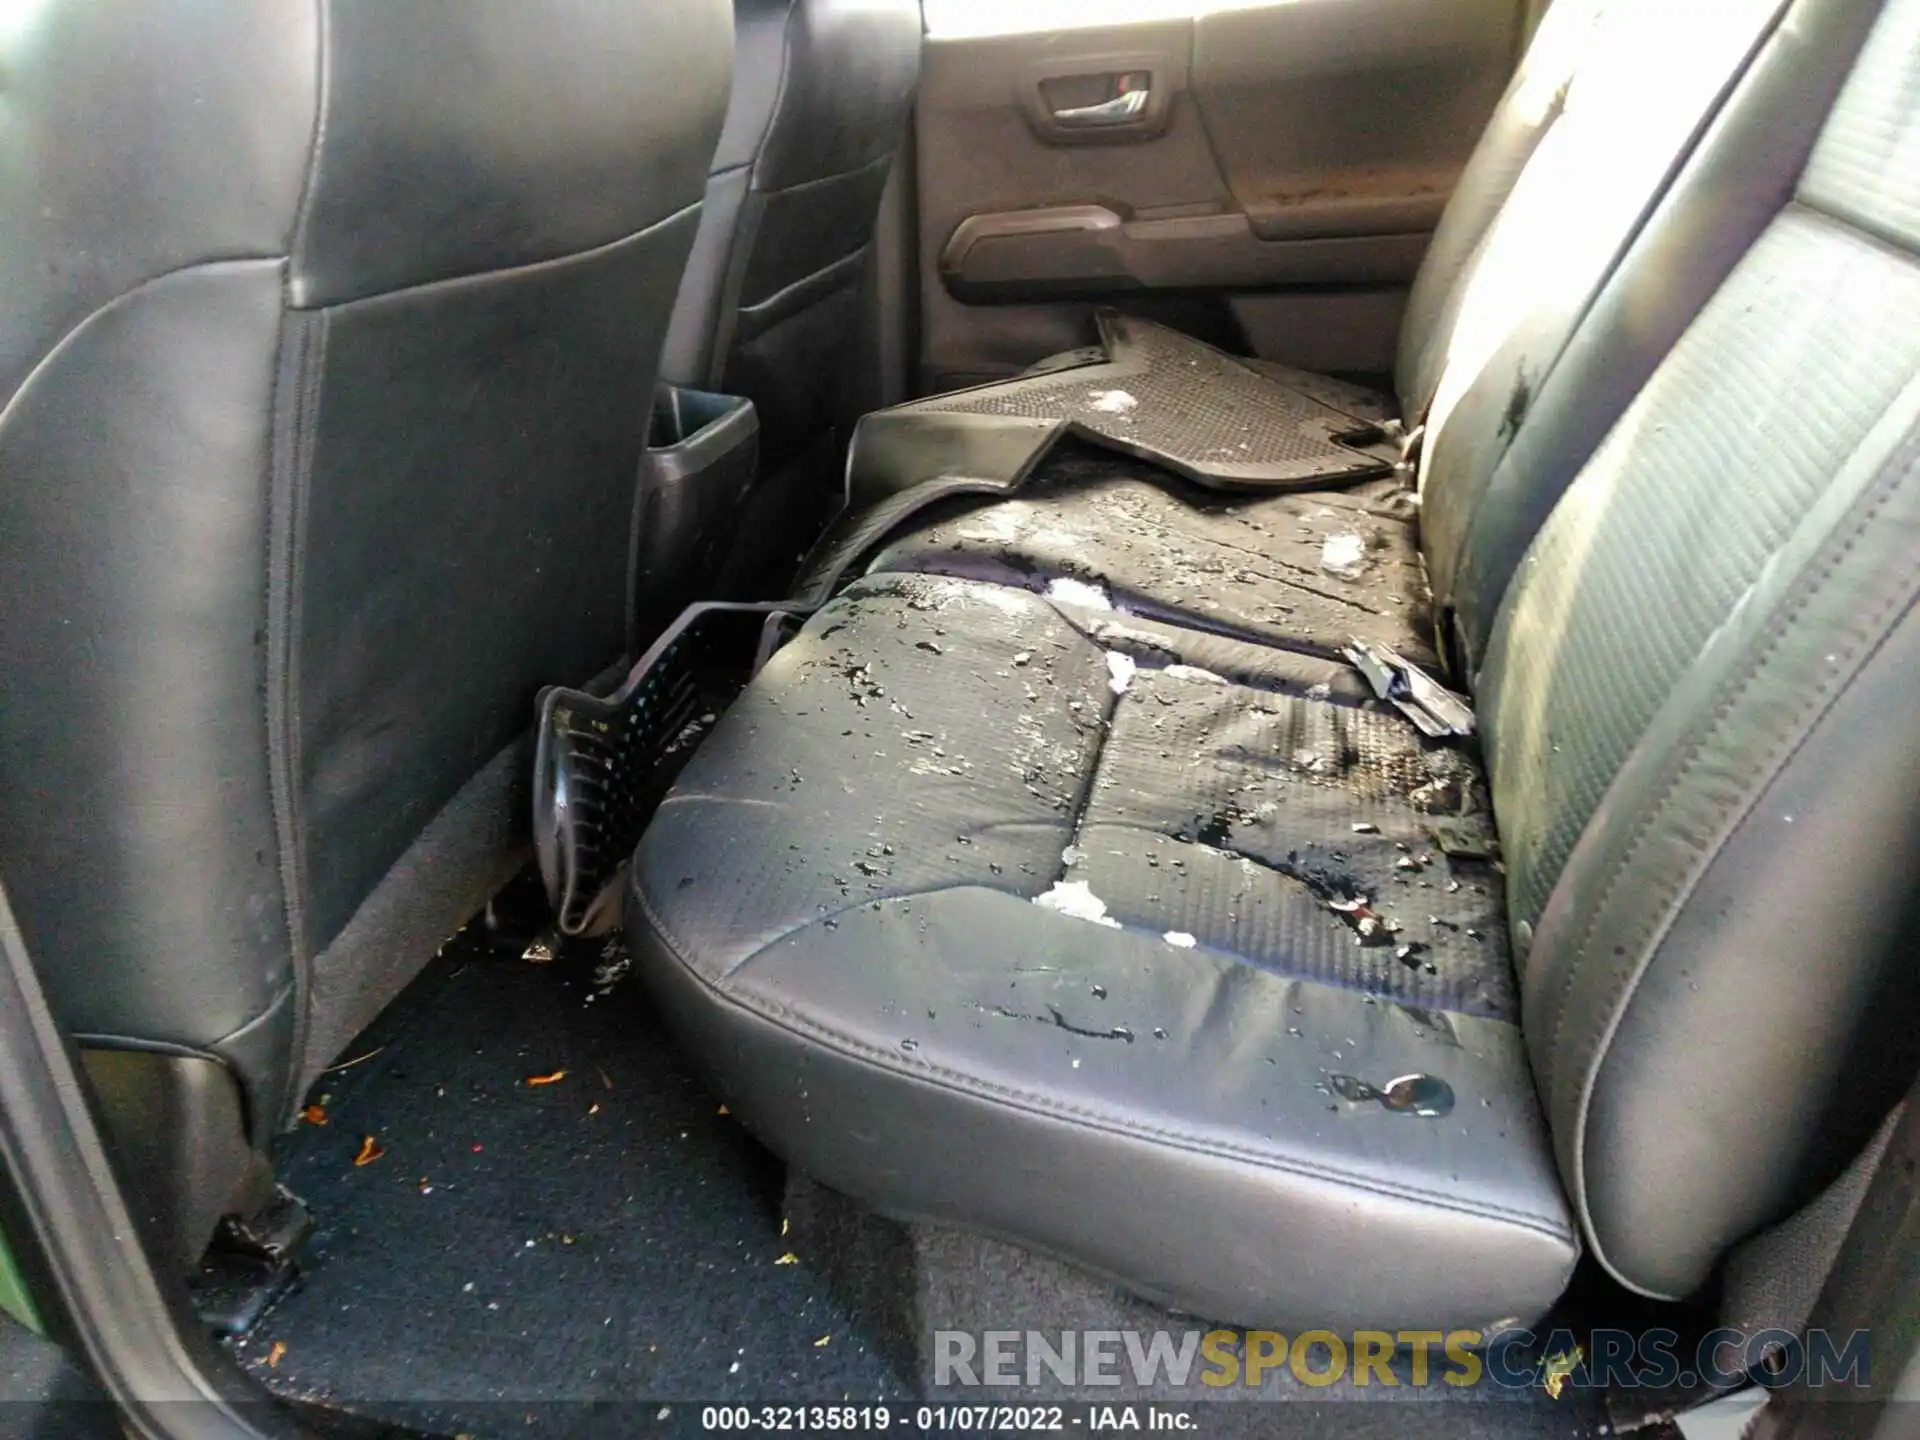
(822,91)
(326,337)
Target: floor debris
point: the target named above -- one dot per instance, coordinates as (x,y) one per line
(349,1064)
(1344,555)
(370,1151)
(661,1228)
(1559,1369)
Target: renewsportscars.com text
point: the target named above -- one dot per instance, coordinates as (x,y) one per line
(1513,1359)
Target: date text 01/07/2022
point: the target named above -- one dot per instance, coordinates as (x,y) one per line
(946,1419)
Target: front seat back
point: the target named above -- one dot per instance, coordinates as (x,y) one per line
(771,303)
(326,340)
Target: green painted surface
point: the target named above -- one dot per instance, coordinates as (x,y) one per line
(14,1298)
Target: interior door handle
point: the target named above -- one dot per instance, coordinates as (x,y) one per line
(1121,110)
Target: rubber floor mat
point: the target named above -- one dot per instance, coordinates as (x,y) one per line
(1168,397)
(1302,570)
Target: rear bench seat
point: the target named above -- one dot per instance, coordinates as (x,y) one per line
(1171,952)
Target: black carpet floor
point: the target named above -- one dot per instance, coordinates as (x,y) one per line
(527,1258)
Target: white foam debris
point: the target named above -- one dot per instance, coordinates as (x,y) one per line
(1180,939)
(1079,592)
(1120,670)
(1194,672)
(1075,898)
(1112,402)
(1322,691)
(1344,554)
(996,522)
(1072,855)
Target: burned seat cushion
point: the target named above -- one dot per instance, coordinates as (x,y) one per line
(1008,912)
(1305,571)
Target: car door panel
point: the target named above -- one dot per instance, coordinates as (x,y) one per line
(1199,168)
(1349,117)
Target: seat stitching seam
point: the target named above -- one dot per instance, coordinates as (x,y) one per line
(1891,244)
(851,905)
(849,263)
(517,270)
(878,162)
(310,185)
(789,1019)
(1793,734)
(289,458)
(1490,1012)
(1734,688)
(1083,802)
(58,348)
(779,96)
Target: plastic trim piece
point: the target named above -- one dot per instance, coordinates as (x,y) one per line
(602,762)
(135,1334)
(1093,250)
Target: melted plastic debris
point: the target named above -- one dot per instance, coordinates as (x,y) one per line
(1432,1025)
(1112,402)
(1059,1021)
(1076,898)
(1345,555)
(1464,840)
(1079,592)
(614,965)
(1120,671)
(1180,939)
(1442,796)
(690,734)
(1194,672)
(1369,926)
(1559,1369)
(1424,1095)
(1434,709)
